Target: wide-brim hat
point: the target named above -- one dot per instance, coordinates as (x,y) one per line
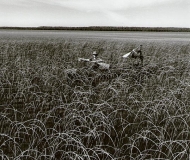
(95,53)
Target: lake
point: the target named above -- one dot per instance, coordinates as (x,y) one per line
(96,35)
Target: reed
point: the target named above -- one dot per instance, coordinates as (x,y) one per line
(123,113)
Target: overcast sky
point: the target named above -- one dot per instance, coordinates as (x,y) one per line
(142,13)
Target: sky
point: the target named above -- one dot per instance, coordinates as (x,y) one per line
(130,13)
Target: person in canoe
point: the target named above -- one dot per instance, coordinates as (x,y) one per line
(96,62)
(136,56)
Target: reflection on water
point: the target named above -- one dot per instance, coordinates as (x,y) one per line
(100,35)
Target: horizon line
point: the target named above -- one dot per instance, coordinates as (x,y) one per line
(88,27)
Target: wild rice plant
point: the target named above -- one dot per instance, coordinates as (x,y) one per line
(50,112)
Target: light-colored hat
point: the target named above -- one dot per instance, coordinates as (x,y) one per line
(94,53)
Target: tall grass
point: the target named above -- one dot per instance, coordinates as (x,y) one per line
(124,113)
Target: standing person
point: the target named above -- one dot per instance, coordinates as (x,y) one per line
(137,55)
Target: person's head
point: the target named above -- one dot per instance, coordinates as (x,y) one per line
(141,47)
(95,54)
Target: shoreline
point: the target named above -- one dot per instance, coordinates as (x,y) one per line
(98,28)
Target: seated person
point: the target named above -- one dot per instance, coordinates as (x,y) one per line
(95,57)
(96,62)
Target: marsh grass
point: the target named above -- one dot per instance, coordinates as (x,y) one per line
(123,113)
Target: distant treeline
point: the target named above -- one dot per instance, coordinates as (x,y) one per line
(105,28)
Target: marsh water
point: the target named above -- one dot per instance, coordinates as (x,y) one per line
(96,35)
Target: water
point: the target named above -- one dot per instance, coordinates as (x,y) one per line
(96,35)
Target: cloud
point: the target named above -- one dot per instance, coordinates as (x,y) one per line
(116,18)
(162,15)
(95,12)
(111,5)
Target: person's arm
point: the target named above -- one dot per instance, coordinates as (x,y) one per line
(83,59)
(133,53)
